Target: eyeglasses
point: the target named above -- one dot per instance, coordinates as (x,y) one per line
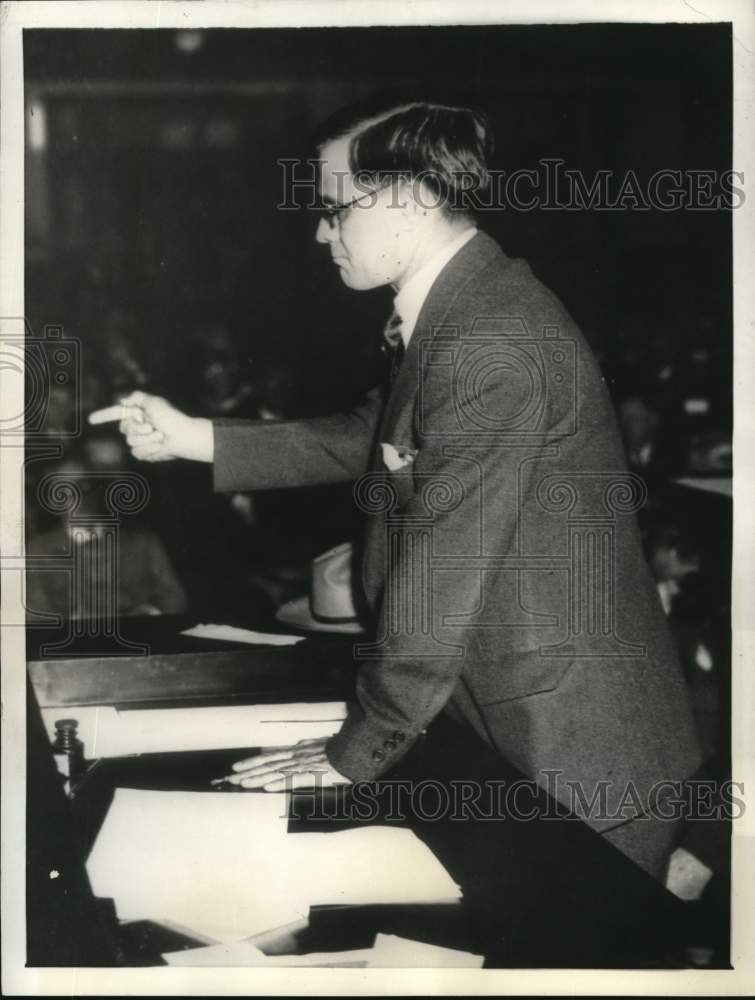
(334,214)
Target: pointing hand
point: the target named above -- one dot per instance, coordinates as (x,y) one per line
(156,431)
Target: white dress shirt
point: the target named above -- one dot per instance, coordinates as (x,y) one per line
(409,301)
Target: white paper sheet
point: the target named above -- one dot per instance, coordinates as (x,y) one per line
(369,864)
(106,732)
(224,865)
(388,952)
(229,955)
(392,952)
(721,485)
(242,953)
(199,859)
(230,633)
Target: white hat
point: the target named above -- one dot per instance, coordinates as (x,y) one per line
(330,604)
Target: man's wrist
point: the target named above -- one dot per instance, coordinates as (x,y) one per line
(200,440)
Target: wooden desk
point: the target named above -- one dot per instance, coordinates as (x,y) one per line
(185,670)
(543,894)
(66,925)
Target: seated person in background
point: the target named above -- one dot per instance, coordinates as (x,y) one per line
(225,387)
(146,581)
(638,424)
(673,556)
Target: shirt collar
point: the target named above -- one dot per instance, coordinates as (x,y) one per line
(409,301)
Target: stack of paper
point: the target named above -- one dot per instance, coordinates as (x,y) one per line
(243,953)
(388,952)
(107,732)
(391,952)
(224,865)
(198,859)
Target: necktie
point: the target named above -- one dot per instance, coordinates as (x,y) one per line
(393,343)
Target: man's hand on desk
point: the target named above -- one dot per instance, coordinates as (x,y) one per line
(301,766)
(156,431)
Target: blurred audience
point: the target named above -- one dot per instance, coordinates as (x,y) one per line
(146,583)
(639,426)
(242,555)
(226,389)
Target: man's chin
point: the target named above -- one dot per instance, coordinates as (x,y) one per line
(356,282)
(349,279)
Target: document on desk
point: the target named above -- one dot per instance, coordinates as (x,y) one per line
(107,732)
(224,865)
(243,953)
(230,633)
(388,952)
(392,952)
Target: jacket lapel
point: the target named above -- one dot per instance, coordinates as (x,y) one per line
(455,276)
(397,423)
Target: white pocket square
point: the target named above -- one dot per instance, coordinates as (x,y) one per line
(396,458)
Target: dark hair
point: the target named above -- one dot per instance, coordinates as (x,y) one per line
(445,147)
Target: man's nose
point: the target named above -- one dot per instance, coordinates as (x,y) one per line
(324,232)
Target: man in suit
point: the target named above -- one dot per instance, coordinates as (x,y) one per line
(501,563)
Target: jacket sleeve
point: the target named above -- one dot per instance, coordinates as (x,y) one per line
(261,454)
(403,684)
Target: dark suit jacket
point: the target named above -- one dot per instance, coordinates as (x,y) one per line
(503,564)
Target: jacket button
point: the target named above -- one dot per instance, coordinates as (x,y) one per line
(390,744)
(378,756)
(398,736)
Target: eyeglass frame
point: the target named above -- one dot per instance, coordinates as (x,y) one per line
(333,214)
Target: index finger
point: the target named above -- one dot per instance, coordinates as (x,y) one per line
(108,415)
(118,411)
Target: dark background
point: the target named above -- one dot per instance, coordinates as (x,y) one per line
(160,181)
(153,232)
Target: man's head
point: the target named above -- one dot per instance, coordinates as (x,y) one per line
(396,187)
